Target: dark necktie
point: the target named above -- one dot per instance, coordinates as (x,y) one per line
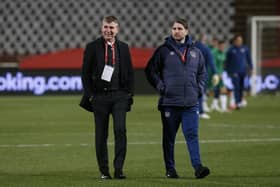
(110,57)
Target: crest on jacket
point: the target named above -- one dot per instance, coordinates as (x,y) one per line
(193,54)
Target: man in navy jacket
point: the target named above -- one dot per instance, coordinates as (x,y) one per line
(210,66)
(238,63)
(177,71)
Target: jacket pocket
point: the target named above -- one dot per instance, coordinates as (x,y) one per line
(174,91)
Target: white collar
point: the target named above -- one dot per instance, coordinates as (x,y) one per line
(110,43)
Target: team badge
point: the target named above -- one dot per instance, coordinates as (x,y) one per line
(193,54)
(172,53)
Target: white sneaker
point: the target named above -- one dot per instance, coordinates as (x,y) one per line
(204,116)
(205,107)
(215,108)
(243,103)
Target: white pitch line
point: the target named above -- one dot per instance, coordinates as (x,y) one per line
(242,140)
(259,140)
(247,126)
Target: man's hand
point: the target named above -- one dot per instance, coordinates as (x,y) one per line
(130,99)
(90,99)
(160,87)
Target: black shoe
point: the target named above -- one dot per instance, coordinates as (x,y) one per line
(172,174)
(105,176)
(201,172)
(119,175)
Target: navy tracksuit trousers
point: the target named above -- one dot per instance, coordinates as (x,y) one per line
(238,83)
(171,119)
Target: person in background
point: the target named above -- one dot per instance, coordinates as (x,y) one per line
(238,64)
(108,81)
(177,71)
(211,72)
(220,92)
(213,45)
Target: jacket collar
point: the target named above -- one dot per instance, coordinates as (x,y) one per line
(171,42)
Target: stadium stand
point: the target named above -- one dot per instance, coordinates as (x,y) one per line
(36,27)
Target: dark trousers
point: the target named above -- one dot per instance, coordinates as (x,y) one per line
(238,83)
(171,119)
(217,92)
(114,103)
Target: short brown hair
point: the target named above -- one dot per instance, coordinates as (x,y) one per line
(110,19)
(181,21)
(235,37)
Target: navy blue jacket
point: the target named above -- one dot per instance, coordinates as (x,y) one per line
(208,57)
(179,83)
(238,60)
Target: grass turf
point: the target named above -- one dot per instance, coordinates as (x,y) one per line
(48,141)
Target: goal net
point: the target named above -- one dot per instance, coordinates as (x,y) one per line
(265,50)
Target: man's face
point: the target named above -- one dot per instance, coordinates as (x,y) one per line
(109,31)
(238,41)
(179,32)
(215,43)
(222,46)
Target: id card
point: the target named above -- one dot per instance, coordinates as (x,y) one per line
(107,73)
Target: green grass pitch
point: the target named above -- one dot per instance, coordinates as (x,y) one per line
(49,141)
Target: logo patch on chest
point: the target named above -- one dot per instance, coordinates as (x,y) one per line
(172,53)
(193,54)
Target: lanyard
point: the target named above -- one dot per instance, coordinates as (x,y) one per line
(183,55)
(113,53)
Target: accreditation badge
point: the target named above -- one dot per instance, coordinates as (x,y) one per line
(107,73)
